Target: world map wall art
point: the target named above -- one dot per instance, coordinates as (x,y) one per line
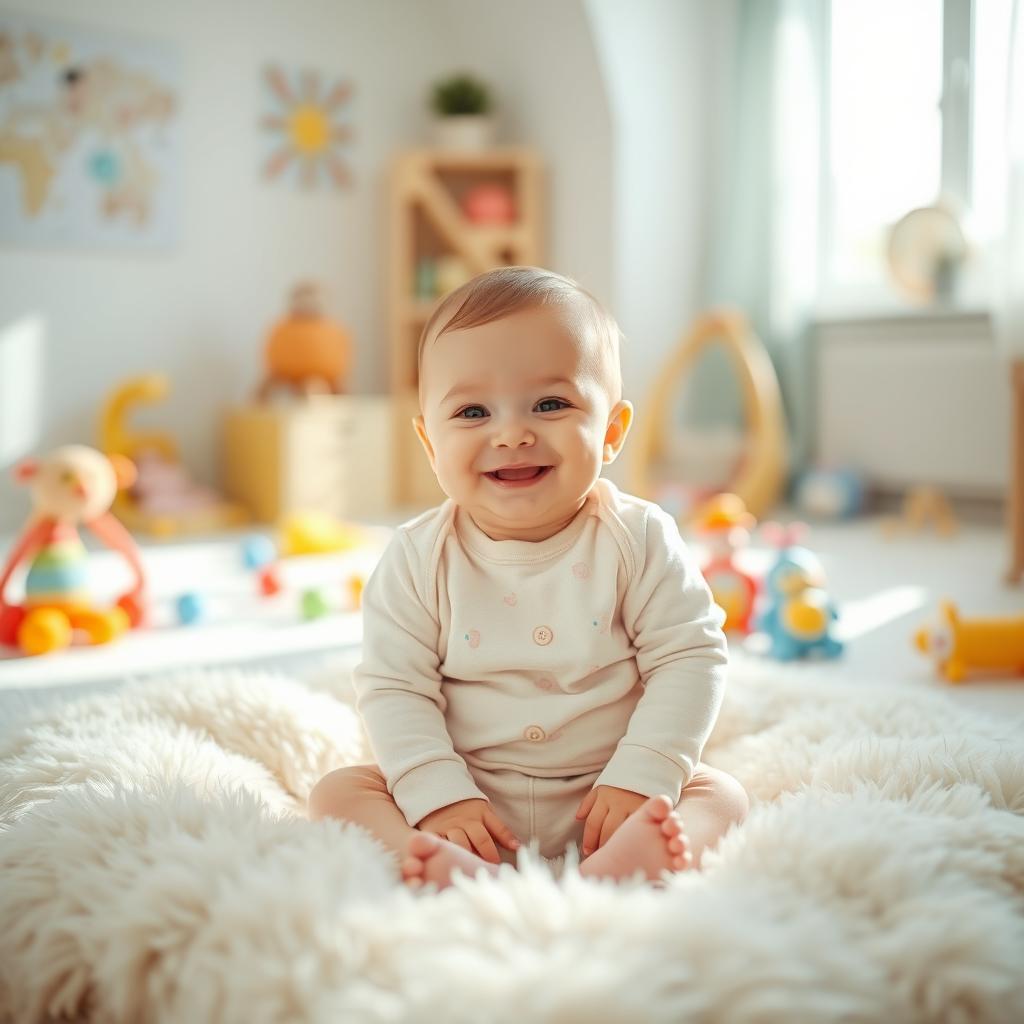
(90,148)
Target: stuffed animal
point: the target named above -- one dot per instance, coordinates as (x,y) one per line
(798,615)
(71,485)
(960,645)
(307,351)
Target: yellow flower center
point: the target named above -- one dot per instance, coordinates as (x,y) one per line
(309,129)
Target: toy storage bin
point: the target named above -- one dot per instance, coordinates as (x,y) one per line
(328,454)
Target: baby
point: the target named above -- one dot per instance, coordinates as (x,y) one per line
(542,658)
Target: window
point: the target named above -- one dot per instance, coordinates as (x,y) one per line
(916,110)
(989,116)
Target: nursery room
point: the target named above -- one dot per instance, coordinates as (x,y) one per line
(670,353)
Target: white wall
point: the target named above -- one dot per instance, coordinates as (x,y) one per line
(201,312)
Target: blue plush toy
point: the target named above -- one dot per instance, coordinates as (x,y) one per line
(798,616)
(830,493)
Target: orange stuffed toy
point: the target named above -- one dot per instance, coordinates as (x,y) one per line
(306,351)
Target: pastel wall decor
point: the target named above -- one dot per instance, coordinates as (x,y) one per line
(306,125)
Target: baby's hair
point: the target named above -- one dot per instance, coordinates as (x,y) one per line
(506,290)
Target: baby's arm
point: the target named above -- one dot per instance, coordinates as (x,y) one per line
(398,690)
(681,655)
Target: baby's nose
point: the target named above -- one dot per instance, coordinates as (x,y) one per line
(513,435)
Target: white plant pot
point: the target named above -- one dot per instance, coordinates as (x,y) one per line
(464,131)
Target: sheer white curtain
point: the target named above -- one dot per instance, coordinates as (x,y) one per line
(1009,298)
(765,242)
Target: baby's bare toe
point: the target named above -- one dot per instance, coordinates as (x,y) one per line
(658,807)
(676,845)
(411,867)
(672,826)
(423,844)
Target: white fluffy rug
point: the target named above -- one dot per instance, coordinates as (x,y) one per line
(155,865)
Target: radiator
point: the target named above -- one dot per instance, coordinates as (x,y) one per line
(915,400)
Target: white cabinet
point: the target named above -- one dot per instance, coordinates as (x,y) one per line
(915,400)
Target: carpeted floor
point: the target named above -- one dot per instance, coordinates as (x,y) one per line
(155,865)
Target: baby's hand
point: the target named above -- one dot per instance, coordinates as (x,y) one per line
(470,824)
(605,808)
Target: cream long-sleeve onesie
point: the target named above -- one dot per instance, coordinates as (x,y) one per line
(598,649)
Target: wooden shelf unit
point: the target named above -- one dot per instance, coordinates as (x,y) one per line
(427,223)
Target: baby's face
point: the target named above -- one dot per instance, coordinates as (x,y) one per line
(517,419)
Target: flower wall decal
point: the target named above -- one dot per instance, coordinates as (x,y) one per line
(307,120)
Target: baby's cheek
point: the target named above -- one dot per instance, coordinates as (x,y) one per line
(462,452)
(591,436)
(447,478)
(451,463)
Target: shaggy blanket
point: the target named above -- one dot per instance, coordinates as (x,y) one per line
(156,865)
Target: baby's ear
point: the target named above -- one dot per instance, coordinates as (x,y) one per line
(620,419)
(421,433)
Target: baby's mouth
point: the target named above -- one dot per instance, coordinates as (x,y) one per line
(519,474)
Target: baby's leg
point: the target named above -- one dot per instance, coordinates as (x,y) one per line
(656,838)
(360,794)
(710,804)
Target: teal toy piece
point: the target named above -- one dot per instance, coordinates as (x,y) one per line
(258,551)
(191,608)
(59,572)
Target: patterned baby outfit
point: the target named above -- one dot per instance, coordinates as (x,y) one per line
(594,655)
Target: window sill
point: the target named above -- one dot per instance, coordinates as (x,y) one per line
(830,315)
(875,300)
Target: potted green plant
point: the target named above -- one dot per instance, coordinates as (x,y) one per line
(462,105)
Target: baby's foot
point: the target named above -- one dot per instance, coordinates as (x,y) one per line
(429,858)
(651,840)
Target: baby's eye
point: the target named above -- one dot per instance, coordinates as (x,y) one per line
(551,405)
(471,412)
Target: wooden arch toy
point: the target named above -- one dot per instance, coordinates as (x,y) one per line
(164,501)
(761,473)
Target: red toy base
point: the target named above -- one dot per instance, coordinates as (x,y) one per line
(11,618)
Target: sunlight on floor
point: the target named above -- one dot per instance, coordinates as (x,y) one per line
(870,613)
